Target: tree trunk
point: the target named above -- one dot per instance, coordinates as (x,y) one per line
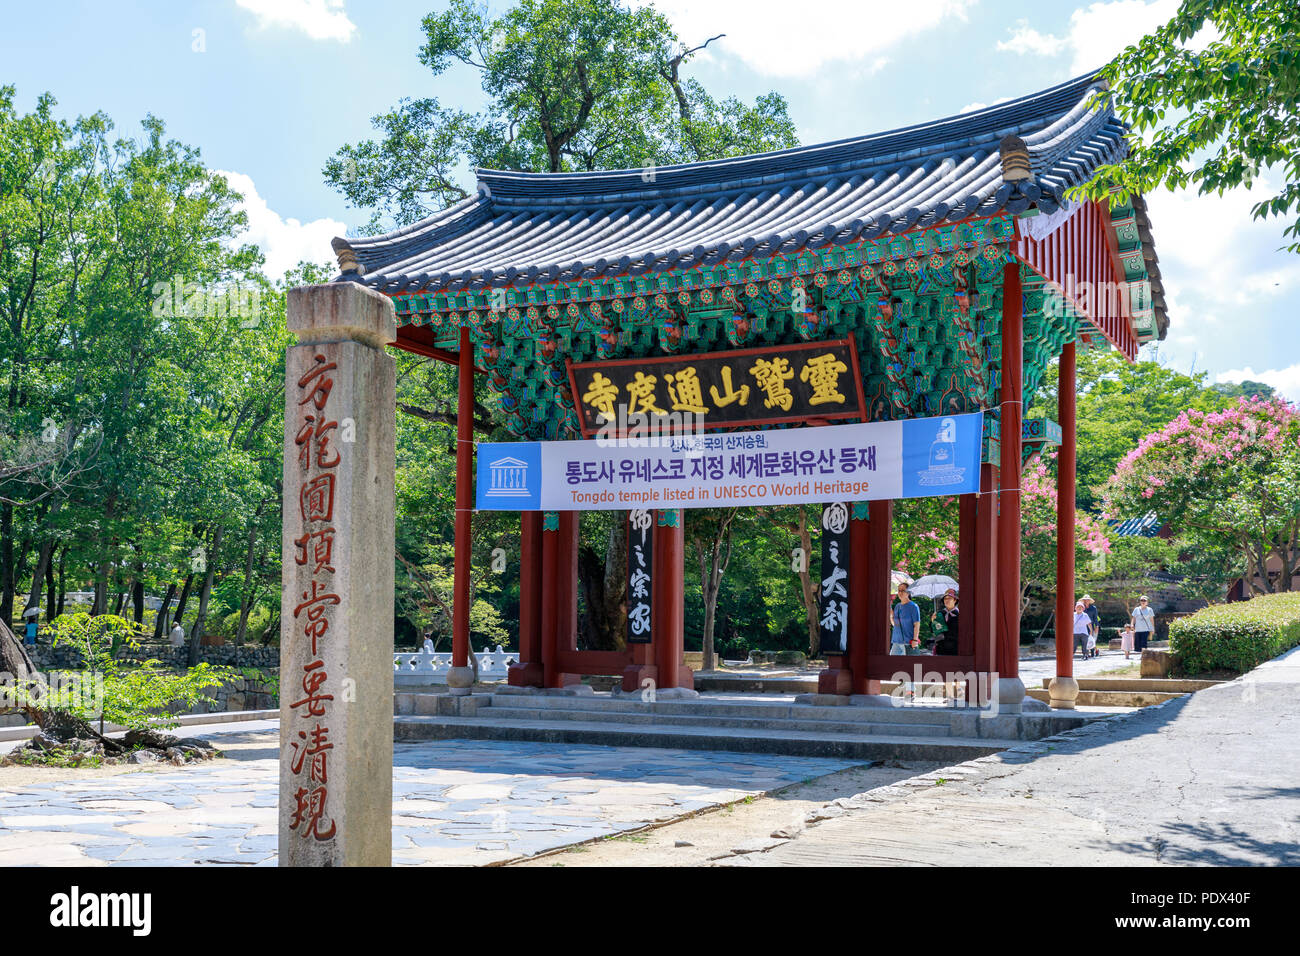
(197,633)
(43,556)
(101,589)
(50,587)
(6,563)
(63,580)
(185,596)
(808,590)
(137,598)
(160,620)
(246,598)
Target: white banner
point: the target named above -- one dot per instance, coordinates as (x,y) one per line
(905,459)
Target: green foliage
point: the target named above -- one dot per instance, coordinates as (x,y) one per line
(570,85)
(1216,114)
(1118,403)
(135,696)
(1238,636)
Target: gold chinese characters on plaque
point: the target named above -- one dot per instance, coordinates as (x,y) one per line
(806,381)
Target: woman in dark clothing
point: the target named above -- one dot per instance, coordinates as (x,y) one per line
(945,624)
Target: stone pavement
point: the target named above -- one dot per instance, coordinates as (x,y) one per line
(1205,779)
(1034,669)
(454,802)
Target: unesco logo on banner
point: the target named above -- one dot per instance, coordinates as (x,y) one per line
(942,454)
(509,476)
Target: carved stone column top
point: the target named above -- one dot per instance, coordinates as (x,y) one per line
(341,312)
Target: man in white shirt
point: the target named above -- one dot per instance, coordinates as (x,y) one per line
(177,635)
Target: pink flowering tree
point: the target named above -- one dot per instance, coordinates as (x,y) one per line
(1038,532)
(926,531)
(1227,481)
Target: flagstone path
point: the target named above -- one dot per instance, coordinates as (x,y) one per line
(454,802)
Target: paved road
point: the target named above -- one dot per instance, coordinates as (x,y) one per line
(1206,779)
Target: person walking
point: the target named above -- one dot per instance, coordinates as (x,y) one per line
(1144,624)
(1126,640)
(30,628)
(1094,615)
(906,620)
(427,646)
(945,624)
(905,617)
(1082,628)
(177,634)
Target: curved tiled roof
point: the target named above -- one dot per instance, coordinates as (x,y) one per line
(530,227)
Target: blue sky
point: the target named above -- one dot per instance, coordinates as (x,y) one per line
(268,89)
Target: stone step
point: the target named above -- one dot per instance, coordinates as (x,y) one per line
(733,739)
(861,728)
(773,710)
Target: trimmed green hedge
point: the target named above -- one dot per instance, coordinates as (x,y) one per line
(1237,636)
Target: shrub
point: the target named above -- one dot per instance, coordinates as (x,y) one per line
(1236,636)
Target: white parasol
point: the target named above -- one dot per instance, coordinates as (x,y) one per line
(933,586)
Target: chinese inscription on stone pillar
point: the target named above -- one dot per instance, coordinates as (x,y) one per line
(312,701)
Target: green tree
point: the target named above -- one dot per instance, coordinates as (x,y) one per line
(570,85)
(1213,98)
(1118,403)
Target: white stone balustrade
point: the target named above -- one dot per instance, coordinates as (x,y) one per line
(417,668)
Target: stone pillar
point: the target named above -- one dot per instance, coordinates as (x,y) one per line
(336,643)
(1010,689)
(1063,691)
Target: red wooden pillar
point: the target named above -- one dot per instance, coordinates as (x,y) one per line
(464,501)
(984,606)
(967,558)
(872,637)
(668,605)
(549,598)
(528,671)
(1064,689)
(1008,657)
(563,636)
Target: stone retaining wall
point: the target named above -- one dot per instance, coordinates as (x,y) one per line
(265,658)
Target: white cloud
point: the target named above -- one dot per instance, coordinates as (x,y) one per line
(319,19)
(1222,271)
(1285,380)
(972,107)
(284,242)
(1096,32)
(1025,39)
(760,32)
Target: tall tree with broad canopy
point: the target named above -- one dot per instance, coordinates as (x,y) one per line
(570,85)
(1213,98)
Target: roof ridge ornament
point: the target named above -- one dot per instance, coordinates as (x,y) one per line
(1015,160)
(346,256)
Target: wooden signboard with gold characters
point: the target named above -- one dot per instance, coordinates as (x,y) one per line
(806,382)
